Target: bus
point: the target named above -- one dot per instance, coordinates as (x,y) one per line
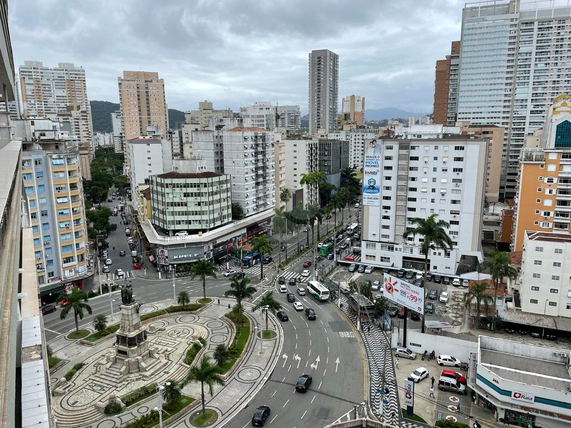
(352,228)
(326,249)
(319,291)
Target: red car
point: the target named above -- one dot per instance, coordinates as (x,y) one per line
(349,259)
(137,266)
(64,303)
(306,264)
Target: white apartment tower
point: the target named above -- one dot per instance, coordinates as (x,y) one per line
(323,90)
(357,141)
(260,115)
(301,157)
(513,63)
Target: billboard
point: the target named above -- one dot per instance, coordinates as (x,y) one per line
(409,396)
(372,173)
(403,293)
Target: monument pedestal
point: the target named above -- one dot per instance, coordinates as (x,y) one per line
(131,345)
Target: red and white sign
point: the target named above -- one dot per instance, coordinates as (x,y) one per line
(409,393)
(523,396)
(403,293)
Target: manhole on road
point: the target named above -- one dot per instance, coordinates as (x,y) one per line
(338,326)
(323,413)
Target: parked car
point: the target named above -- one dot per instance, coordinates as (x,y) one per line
(409,274)
(369,269)
(281,280)
(419,282)
(303,383)
(361,268)
(260,416)
(376,285)
(108,262)
(428,276)
(298,306)
(290,297)
(306,264)
(229,272)
(437,279)
(392,311)
(452,385)
(510,330)
(448,360)
(310,314)
(535,334)
(433,294)
(282,316)
(465,283)
(445,280)
(267,260)
(283,288)
(305,273)
(456,282)
(48,309)
(400,273)
(454,375)
(550,335)
(349,258)
(405,353)
(429,308)
(419,275)
(106,269)
(292,281)
(522,331)
(443,297)
(352,267)
(301,291)
(419,374)
(63,303)
(414,316)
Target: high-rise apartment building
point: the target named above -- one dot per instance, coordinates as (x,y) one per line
(301,157)
(118,140)
(323,90)
(333,158)
(289,117)
(356,139)
(201,119)
(259,115)
(148,156)
(513,64)
(446,88)
(353,109)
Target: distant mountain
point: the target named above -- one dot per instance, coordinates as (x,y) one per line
(390,113)
(101,116)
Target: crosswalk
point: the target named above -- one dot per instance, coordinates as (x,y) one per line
(113,276)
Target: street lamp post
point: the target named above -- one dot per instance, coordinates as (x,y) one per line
(159,409)
(111,301)
(173,284)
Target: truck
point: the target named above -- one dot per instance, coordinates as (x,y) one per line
(127,231)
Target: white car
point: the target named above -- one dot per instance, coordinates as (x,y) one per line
(465,283)
(120,273)
(405,353)
(108,262)
(419,374)
(229,272)
(419,275)
(105,269)
(456,282)
(376,285)
(298,306)
(369,269)
(301,291)
(448,360)
(305,272)
(283,288)
(443,297)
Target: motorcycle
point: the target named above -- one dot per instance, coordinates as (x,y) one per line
(425,355)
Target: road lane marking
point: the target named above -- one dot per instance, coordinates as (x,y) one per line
(303,414)
(327,339)
(273,419)
(327,359)
(289,368)
(285,404)
(275,392)
(309,355)
(309,331)
(296,336)
(328,349)
(325,330)
(321,322)
(319,387)
(313,398)
(295,345)
(325,371)
(283,380)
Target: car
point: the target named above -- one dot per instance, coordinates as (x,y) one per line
(419,374)
(445,280)
(283,288)
(230,272)
(352,267)
(305,273)
(456,282)
(108,262)
(414,316)
(392,311)
(349,258)
(310,314)
(283,247)
(376,285)
(550,335)
(465,283)
(48,309)
(433,294)
(109,200)
(306,264)
(330,256)
(130,241)
(369,269)
(400,313)
(361,268)
(405,353)
(119,273)
(106,269)
(510,330)
(419,275)
(419,282)
(428,276)
(281,280)
(409,274)
(290,297)
(267,260)
(282,316)
(63,303)
(448,360)
(522,331)
(454,375)
(260,416)
(298,306)
(122,253)
(443,297)
(292,281)
(400,273)
(301,291)
(303,383)
(535,334)
(239,275)
(429,308)
(437,279)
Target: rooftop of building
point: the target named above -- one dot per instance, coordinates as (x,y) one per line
(247,129)
(548,236)
(175,174)
(144,139)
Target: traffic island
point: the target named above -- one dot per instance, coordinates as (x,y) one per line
(78,334)
(199,419)
(268,334)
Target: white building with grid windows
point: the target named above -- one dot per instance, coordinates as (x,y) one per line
(357,140)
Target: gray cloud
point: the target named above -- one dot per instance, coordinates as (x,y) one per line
(237,52)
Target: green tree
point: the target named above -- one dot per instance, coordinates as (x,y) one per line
(120,183)
(100,323)
(99,219)
(183,298)
(477,292)
(172,392)
(270,303)
(262,245)
(202,269)
(221,354)
(280,225)
(77,301)
(314,179)
(434,236)
(344,198)
(500,267)
(349,181)
(240,290)
(205,373)
(381,305)
(366,290)
(285,195)
(237,211)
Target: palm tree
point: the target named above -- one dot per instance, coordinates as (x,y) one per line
(435,237)
(285,196)
(500,267)
(344,197)
(313,179)
(280,224)
(477,292)
(77,300)
(336,204)
(262,245)
(202,269)
(205,373)
(313,215)
(100,323)
(240,290)
(221,354)
(183,298)
(269,303)
(172,391)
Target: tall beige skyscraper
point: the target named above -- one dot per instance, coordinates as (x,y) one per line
(143,104)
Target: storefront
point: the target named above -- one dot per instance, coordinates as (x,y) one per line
(512,417)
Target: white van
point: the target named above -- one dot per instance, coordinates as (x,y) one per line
(183,233)
(452,385)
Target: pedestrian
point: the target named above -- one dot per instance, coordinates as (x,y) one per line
(458,406)
(432,392)
(397,363)
(218,301)
(432,380)
(368,329)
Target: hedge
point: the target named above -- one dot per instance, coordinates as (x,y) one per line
(139,394)
(73,371)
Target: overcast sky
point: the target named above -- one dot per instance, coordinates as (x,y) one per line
(236,52)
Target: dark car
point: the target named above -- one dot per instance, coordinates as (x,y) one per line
(428,276)
(419,283)
(522,331)
(283,247)
(261,415)
(433,294)
(361,269)
(239,275)
(122,253)
(48,309)
(535,334)
(310,314)
(306,264)
(429,308)
(267,260)
(414,316)
(393,311)
(290,297)
(409,274)
(446,280)
(550,335)
(510,330)
(281,280)
(282,316)
(303,383)
(437,279)
(292,281)
(400,273)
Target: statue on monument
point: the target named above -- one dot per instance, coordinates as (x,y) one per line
(127,294)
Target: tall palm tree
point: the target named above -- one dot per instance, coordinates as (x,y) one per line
(183,298)
(477,292)
(240,290)
(77,301)
(314,215)
(500,267)
(336,205)
(262,245)
(280,225)
(172,391)
(202,269)
(435,237)
(314,179)
(269,303)
(344,197)
(205,373)
(285,196)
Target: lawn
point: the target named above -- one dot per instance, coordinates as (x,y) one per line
(242,335)
(268,334)
(109,330)
(199,420)
(78,334)
(152,419)
(53,361)
(413,417)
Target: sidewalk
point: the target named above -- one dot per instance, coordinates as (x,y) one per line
(247,378)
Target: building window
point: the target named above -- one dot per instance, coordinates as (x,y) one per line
(552,303)
(555,277)
(557,250)
(539,249)
(537,262)
(539,189)
(370,257)
(533,301)
(536,275)
(556,264)
(370,245)
(534,288)
(538,201)
(554,290)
